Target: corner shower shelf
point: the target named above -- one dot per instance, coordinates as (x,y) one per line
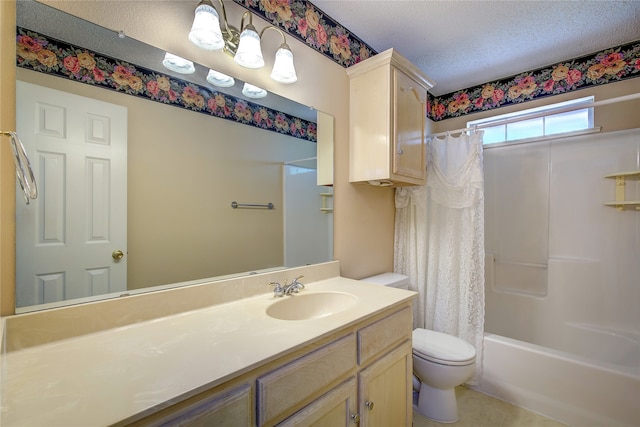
(324,207)
(620,202)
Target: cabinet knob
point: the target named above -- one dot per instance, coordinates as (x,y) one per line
(355,418)
(369,405)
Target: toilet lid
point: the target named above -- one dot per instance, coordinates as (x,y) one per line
(442,348)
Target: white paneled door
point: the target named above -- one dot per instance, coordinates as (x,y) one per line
(68,239)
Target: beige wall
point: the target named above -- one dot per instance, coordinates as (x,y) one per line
(363,232)
(363,217)
(7,174)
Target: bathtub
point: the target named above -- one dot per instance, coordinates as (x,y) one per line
(565,387)
(561,280)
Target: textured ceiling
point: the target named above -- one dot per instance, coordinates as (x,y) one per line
(461,44)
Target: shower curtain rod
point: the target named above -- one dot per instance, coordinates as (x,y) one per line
(541,114)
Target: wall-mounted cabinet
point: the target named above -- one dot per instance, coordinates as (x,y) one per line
(621,180)
(387,144)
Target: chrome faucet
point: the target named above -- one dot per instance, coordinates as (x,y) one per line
(294,287)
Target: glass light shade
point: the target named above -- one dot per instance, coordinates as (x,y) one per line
(283,68)
(218,79)
(177,64)
(252,91)
(205,31)
(249,54)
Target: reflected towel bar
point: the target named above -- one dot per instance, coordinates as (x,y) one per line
(24,172)
(236,205)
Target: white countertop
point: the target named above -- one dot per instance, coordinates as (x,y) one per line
(106,377)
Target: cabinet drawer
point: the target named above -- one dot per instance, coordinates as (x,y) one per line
(226,408)
(384,334)
(298,382)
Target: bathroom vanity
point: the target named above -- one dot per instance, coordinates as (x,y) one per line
(342,358)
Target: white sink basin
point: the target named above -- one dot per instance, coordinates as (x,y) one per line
(311,306)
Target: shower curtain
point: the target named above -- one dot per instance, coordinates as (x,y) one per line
(439,240)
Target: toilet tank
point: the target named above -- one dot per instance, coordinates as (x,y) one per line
(394,280)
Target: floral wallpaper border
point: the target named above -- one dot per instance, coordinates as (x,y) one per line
(304,21)
(47,55)
(608,66)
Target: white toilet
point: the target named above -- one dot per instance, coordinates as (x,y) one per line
(441,362)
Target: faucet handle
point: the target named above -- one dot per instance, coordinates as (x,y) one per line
(296,282)
(278,290)
(294,287)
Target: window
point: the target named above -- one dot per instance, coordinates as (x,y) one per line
(537,122)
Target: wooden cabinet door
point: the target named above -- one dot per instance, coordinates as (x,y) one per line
(385,390)
(409,155)
(336,408)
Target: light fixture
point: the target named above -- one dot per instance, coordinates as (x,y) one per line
(249,53)
(178,64)
(244,45)
(218,79)
(205,31)
(283,68)
(252,91)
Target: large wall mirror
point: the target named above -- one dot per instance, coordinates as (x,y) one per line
(156,210)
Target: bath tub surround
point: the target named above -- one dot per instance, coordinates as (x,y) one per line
(561,278)
(559,385)
(229,357)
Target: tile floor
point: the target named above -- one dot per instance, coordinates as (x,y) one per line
(476,409)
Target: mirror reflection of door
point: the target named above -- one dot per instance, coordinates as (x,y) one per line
(78,151)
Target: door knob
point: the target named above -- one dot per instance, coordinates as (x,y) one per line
(117,255)
(369,405)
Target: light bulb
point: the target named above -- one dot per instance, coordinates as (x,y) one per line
(218,79)
(283,69)
(178,64)
(205,31)
(249,54)
(252,91)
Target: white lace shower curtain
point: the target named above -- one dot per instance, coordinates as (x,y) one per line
(439,240)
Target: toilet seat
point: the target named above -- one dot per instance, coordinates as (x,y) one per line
(442,348)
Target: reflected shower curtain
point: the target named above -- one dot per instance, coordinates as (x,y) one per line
(439,240)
